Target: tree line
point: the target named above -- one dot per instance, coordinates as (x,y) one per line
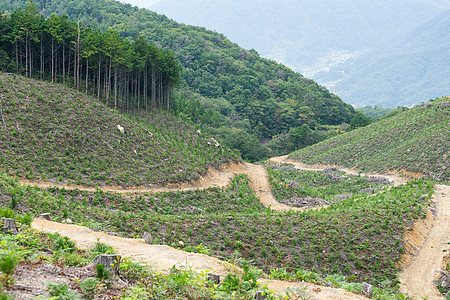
(126,73)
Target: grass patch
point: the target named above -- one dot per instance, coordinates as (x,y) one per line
(417,140)
(359,239)
(309,188)
(56,134)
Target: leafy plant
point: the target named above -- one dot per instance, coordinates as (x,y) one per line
(102,273)
(61,291)
(91,287)
(8,264)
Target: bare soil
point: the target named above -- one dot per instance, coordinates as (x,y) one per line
(162,258)
(426,241)
(429,241)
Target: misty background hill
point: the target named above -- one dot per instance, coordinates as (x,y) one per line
(408,70)
(316,38)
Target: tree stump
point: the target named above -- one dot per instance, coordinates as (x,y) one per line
(110,262)
(46,216)
(259,296)
(214,278)
(9,226)
(147,238)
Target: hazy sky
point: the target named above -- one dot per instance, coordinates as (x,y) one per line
(141,3)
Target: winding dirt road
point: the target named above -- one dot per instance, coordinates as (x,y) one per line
(416,278)
(394,179)
(162,258)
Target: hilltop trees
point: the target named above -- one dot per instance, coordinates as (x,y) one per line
(262,97)
(129,74)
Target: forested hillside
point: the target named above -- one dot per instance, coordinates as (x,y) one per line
(416,141)
(52,133)
(128,75)
(234,92)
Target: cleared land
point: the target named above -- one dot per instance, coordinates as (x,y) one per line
(415,143)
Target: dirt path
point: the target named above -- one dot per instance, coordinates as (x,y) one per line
(259,182)
(258,177)
(162,258)
(214,178)
(416,278)
(394,179)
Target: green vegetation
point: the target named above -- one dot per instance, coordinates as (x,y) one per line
(52,133)
(359,239)
(376,112)
(35,250)
(223,86)
(127,75)
(238,197)
(309,188)
(417,140)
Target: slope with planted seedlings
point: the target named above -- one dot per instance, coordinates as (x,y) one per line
(52,133)
(416,141)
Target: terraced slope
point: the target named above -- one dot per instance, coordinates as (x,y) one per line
(416,142)
(51,133)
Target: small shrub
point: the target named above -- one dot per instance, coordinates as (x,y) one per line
(61,291)
(102,273)
(8,264)
(91,287)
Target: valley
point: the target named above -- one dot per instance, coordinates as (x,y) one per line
(163,258)
(142,158)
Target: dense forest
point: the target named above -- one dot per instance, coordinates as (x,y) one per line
(233,93)
(126,74)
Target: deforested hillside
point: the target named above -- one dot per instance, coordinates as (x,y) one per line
(52,133)
(231,91)
(417,140)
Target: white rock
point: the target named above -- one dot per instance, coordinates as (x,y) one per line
(121,129)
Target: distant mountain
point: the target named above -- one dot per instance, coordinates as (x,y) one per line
(305,35)
(403,71)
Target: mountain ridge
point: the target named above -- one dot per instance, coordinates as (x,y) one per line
(403,71)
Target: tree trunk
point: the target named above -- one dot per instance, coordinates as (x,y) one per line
(153,85)
(41,73)
(17,57)
(64,64)
(26,56)
(87,73)
(9,226)
(78,58)
(115,87)
(53,59)
(110,262)
(99,77)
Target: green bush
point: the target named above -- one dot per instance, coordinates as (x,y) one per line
(61,291)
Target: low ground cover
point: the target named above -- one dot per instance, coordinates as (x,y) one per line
(417,140)
(237,197)
(360,239)
(56,134)
(51,265)
(310,188)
